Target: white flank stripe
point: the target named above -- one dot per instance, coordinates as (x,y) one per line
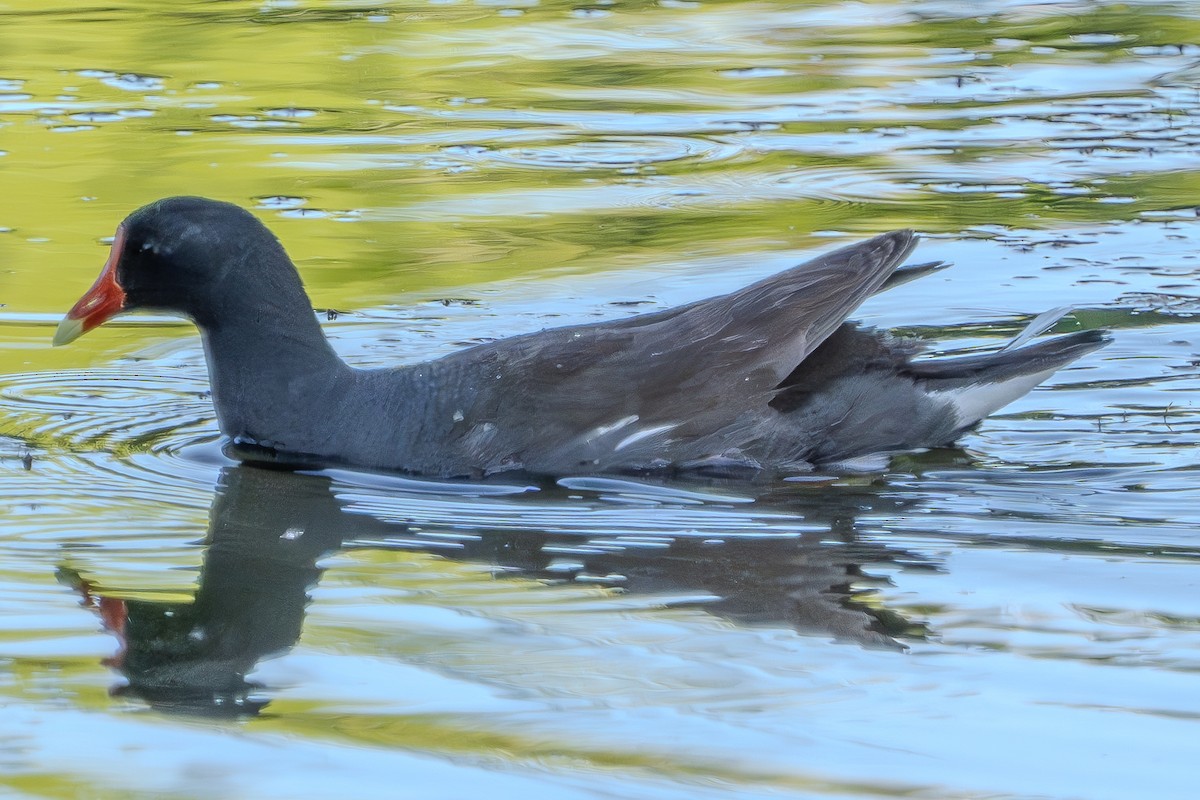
(604,430)
(637,436)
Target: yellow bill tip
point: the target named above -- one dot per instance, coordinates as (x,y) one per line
(68,331)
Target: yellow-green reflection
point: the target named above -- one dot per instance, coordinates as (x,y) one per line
(426,150)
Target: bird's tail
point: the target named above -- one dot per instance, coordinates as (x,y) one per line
(978,385)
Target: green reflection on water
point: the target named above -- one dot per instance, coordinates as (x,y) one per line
(356,110)
(411,150)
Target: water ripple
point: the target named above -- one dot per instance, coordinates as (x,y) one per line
(613,152)
(119,409)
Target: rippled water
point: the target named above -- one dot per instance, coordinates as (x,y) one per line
(1016,618)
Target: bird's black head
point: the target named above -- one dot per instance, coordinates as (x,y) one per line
(175,252)
(179,255)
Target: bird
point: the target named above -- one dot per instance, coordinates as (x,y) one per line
(769,379)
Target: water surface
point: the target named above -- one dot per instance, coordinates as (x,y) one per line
(1018,617)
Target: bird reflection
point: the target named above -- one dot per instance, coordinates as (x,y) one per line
(268,529)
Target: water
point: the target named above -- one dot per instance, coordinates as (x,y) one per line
(1018,617)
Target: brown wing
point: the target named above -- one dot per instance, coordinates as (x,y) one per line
(697,366)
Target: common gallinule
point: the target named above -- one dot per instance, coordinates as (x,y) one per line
(769,377)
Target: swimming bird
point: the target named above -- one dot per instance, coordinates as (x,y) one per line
(770,377)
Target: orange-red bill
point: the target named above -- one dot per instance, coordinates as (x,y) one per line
(100,303)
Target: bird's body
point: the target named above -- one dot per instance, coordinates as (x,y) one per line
(769,377)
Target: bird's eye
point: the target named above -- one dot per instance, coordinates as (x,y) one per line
(146,246)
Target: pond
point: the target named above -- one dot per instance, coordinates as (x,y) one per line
(1015,617)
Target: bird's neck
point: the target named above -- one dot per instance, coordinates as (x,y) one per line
(276,381)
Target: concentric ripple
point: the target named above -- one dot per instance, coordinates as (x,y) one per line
(609,152)
(118,409)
